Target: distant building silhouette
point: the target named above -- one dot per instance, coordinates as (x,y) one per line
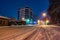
(4,21)
(26,13)
(54,11)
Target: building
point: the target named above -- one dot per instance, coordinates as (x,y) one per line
(54,11)
(4,21)
(12,21)
(25,13)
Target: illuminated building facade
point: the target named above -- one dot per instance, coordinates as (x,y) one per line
(25,13)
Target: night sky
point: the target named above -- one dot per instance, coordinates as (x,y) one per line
(10,7)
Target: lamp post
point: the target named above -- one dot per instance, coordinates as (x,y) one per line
(23,22)
(44,15)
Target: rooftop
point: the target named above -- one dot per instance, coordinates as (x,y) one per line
(4,17)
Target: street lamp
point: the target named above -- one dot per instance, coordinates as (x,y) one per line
(44,15)
(23,19)
(38,21)
(47,21)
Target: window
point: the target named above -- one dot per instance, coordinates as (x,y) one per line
(3,21)
(0,21)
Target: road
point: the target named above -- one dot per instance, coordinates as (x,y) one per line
(46,33)
(30,33)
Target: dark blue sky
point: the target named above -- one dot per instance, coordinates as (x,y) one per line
(10,7)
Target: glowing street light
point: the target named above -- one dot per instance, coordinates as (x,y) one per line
(47,21)
(23,19)
(27,20)
(38,22)
(44,14)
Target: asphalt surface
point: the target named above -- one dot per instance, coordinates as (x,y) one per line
(45,33)
(30,33)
